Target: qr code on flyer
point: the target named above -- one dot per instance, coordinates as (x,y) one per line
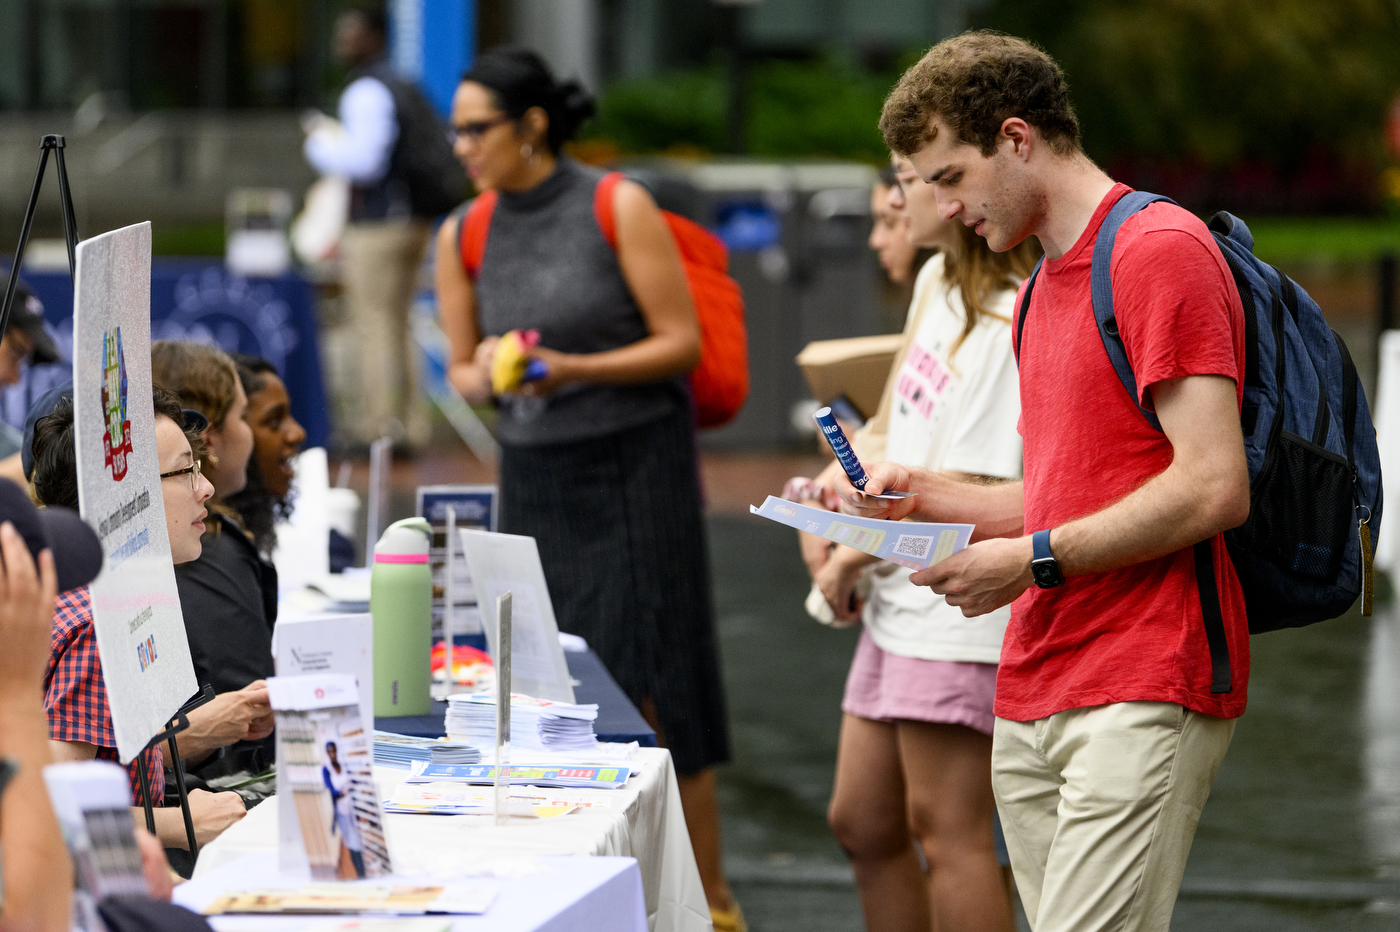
(911,546)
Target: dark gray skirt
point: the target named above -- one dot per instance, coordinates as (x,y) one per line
(618,524)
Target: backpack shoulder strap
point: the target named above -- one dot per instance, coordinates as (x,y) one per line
(603,206)
(1025,307)
(475,227)
(1101,290)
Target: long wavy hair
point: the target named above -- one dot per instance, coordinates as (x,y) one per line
(979,274)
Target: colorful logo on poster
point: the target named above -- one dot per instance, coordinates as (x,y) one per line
(116,439)
(146,652)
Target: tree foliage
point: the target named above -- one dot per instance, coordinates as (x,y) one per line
(1220,80)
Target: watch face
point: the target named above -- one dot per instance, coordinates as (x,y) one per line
(1046,574)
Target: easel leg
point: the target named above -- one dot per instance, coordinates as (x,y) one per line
(184,797)
(24,236)
(145,779)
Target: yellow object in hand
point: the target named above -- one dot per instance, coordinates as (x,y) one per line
(511,366)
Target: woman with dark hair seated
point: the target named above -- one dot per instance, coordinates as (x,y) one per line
(75,693)
(277,437)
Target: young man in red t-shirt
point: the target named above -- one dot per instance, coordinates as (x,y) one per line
(1108,731)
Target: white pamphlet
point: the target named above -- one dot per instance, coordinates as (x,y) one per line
(502,563)
(135,605)
(917,545)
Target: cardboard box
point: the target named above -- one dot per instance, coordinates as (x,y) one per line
(856,367)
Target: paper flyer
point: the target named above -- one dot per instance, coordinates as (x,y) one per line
(583,778)
(471,897)
(325,776)
(135,605)
(917,545)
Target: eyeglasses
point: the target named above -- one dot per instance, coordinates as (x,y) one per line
(477,128)
(191,470)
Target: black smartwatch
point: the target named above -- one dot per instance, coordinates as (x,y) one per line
(1044,570)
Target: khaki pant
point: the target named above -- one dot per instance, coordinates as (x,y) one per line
(1100,805)
(379,270)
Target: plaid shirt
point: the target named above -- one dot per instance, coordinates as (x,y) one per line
(75,696)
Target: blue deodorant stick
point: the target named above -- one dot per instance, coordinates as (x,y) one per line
(831,430)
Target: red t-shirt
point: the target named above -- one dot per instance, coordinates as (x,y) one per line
(1133,633)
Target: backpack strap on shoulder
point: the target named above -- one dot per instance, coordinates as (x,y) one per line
(1025,307)
(475,227)
(603,208)
(1101,289)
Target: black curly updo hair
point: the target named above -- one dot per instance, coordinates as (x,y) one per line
(520,80)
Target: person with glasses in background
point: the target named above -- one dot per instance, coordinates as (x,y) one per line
(598,459)
(75,695)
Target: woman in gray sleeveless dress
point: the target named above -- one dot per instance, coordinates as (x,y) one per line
(598,457)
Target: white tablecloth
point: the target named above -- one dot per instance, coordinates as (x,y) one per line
(645,823)
(569,893)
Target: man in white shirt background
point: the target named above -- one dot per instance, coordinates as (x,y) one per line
(386,131)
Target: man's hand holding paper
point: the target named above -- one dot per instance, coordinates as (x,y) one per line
(884,477)
(984,577)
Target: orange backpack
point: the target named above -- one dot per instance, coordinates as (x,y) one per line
(720,383)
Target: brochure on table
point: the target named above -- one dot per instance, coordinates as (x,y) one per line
(473,507)
(501,563)
(325,777)
(917,545)
(135,605)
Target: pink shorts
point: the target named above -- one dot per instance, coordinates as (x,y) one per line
(885,687)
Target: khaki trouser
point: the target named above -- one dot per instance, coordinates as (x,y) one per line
(379,270)
(1100,805)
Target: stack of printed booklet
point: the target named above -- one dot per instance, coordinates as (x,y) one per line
(535,724)
(403,750)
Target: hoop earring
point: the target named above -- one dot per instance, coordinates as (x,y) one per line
(527,152)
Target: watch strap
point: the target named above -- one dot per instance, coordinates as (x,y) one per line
(1040,546)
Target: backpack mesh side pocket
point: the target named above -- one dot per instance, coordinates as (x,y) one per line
(1301,508)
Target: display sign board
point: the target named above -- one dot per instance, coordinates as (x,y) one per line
(136,607)
(475,507)
(502,563)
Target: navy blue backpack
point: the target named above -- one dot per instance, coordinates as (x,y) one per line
(1304,554)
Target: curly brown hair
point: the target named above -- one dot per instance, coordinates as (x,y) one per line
(973,83)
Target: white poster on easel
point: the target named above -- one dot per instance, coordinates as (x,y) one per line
(502,563)
(135,605)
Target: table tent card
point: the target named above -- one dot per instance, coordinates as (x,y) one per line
(340,643)
(462,506)
(501,563)
(325,775)
(135,605)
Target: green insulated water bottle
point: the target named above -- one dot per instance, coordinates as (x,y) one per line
(401,601)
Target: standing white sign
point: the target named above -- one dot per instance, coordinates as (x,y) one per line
(502,563)
(135,605)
